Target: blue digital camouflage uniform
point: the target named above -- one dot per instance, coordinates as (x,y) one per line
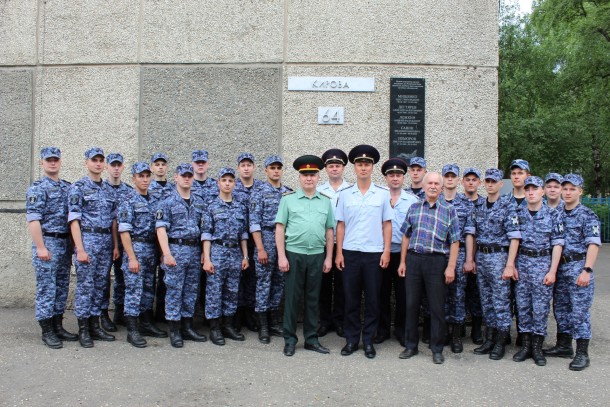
(421,194)
(225,225)
(137,215)
(264,203)
(159,191)
(47,203)
(494,228)
(207,189)
(182,223)
(572,304)
(456,298)
(473,296)
(95,207)
(539,234)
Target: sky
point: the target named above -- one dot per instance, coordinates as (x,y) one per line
(525,6)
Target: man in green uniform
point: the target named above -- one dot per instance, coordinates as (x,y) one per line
(304,228)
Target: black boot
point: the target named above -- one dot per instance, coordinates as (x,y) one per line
(107,324)
(119,315)
(456,339)
(275,328)
(537,355)
(563,348)
(581,359)
(251,320)
(160,312)
(148,327)
(263,332)
(489,343)
(239,318)
(475,332)
(97,333)
(215,332)
(174,334)
(499,349)
(229,331)
(48,334)
(83,333)
(60,331)
(133,335)
(526,350)
(188,332)
(425,334)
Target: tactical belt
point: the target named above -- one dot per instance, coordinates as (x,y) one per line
(492,249)
(184,242)
(143,239)
(96,230)
(411,251)
(534,253)
(574,257)
(230,245)
(271,228)
(56,235)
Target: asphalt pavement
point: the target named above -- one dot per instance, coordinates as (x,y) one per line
(252,374)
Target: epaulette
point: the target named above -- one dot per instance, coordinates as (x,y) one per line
(128,185)
(344,188)
(288,193)
(410,193)
(36,183)
(323,194)
(382,187)
(67,182)
(288,188)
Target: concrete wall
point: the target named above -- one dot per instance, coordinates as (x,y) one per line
(138,76)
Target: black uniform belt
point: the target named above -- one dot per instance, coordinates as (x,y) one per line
(492,249)
(574,257)
(143,239)
(462,244)
(57,235)
(272,228)
(184,242)
(411,251)
(230,245)
(534,253)
(96,230)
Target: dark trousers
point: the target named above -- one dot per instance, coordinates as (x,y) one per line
(391,279)
(302,280)
(425,273)
(361,273)
(332,302)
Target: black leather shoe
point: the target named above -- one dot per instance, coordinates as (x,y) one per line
(289,349)
(369,351)
(349,348)
(380,339)
(316,347)
(408,353)
(340,331)
(438,358)
(322,331)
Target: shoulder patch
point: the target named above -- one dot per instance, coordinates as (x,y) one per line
(33,199)
(326,195)
(344,188)
(595,230)
(159,214)
(382,187)
(73,199)
(410,193)
(288,193)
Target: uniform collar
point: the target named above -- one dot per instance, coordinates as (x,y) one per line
(301,194)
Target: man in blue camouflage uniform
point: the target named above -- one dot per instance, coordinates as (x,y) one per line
(471,181)
(496,227)
(115,167)
(224,232)
(47,216)
(264,202)
(137,217)
(552,191)
(92,217)
(160,188)
(417,171)
(244,185)
(456,291)
(575,282)
(204,186)
(542,239)
(178,231)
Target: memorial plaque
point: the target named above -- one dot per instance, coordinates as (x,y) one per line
(407,117)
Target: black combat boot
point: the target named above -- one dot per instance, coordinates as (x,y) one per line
(263,332)
(174,334)
(581,359)
(119,315)
(239,318)
(148,327)
(537,354)
(97,333)
(229,331)
(251,320)
(562,349)
(425,334)
(83,333)
(526,349)
(275,327)
(188,332)
(489,343)
(60,331)
(215,332)
(48,334)
(456,339)
(133,335)
(107,324)
(475,332)
(499,349)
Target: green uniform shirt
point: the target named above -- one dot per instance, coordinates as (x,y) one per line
(306,221)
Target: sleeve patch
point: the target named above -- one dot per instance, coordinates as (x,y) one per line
(159,214)
(33,199)
(74,199)
(595,230)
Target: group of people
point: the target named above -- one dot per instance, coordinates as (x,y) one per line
(242,245)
